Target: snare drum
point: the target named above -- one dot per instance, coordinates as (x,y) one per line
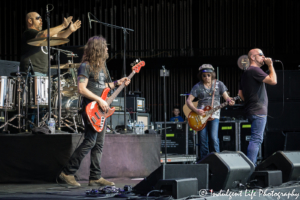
(7,93)
(38,90)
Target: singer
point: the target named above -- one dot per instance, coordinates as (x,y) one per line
(252,90)
(39,55)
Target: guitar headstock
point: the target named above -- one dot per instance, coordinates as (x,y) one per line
(237,98)
(137,65)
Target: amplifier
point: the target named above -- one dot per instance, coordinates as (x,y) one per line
(227,136)
(144,117)
(133,104)
(177,143)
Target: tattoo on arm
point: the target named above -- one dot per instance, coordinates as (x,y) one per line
(81,79)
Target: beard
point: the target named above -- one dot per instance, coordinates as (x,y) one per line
(38,27)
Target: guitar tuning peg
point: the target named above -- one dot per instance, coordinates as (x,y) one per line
(132,64)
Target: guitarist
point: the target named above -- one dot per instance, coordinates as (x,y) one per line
(203,90)
(91,81)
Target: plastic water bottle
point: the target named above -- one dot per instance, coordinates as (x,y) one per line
(129,125)
(142,127)
(51,125)
(134,127)
(152,126)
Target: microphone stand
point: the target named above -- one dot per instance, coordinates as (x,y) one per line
(124,60)
(165,73)
(49,60)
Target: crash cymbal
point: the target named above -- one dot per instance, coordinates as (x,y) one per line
(74,65)
(62,66)
(54,41)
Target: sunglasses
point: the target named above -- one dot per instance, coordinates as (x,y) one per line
(204,75)
(260,54)
(38,18)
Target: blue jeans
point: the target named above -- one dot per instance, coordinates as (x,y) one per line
(258,123)
(210,132)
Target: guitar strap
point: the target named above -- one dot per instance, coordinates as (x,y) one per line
(213,97)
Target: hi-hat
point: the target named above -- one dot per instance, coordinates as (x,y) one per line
(54,41)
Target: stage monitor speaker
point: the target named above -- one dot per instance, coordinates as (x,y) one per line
(228,169)
(286,161)
(118,119)
(267,178)
(174,171)
(178,188)
(227,136)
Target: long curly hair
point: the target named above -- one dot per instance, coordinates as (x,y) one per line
(95,55)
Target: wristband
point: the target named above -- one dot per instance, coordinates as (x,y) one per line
(108,85)
(115,83)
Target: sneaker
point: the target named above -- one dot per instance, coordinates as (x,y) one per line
(69,179)
(101,182)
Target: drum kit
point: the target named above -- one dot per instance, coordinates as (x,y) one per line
(22,91)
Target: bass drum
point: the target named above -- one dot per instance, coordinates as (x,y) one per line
(71,106)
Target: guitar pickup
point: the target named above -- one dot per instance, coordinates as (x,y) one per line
(94,120)
(96,113)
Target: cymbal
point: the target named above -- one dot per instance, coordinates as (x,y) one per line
(62,66)
(74,65)
(54,41)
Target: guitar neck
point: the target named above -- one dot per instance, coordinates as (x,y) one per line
(120,88)
(220,106)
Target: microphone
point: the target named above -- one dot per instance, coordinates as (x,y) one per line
(31,67)
(89,20)
(275,60)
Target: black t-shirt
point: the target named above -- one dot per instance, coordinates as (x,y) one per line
(254,91)
(94,86)
(37,55)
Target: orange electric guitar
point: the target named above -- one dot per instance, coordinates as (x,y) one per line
(95,114)
(198,122)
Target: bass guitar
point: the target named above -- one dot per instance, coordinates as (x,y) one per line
(95,114)
(198,122)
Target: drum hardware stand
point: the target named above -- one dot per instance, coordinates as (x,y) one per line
(59,86)
(19,116)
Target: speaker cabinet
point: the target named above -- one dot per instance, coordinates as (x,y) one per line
(117,119)
(245,136)
(178,188)
(228,169)
(174,171)
(286,161)
(144,117)
(267,178)
(227,136)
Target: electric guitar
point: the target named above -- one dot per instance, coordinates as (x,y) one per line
(198,122)
(95,114)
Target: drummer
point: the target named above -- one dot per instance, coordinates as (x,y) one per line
(39,54)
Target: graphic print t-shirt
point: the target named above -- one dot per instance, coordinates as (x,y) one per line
(94,86)
(37,55)
(205,95)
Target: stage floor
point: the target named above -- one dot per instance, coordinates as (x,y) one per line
(59,192)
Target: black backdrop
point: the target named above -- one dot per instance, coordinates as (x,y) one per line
(180,34)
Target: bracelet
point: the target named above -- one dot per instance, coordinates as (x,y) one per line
(115,83)
(108,85)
